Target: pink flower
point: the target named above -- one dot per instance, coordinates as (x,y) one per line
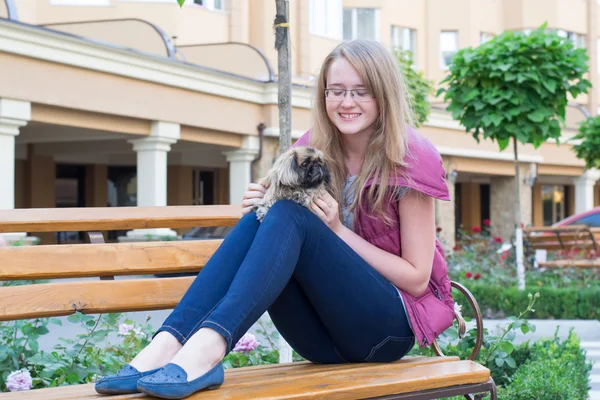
(468,275)
(456,248)
(498,239)
(487,222)
(246,344)
(477,276)
(438,229)
(126,329)
(476,229)
(19,381)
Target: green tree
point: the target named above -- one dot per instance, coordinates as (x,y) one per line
(515,86)
(419,88)
(589,148)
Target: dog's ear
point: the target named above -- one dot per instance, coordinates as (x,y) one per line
(265,182)
(286,168)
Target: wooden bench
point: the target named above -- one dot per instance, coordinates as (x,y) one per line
(411,378)
(572,245)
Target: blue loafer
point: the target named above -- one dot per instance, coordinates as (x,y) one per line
(171,382)
(124,382)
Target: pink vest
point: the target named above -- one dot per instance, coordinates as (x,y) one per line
(433,312)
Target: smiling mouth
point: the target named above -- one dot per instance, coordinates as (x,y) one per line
(349,116)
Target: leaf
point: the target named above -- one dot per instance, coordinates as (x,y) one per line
(550,85)
(41,330)
(506,347)
(536,116)
(56,321)
(74,317)
(499,361)
(180,2)
(503,143)
(524,328)
(511,362)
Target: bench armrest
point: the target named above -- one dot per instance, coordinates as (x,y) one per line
(462,325)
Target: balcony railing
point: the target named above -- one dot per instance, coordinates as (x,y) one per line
(8,10)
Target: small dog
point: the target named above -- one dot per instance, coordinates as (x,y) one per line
(300,174)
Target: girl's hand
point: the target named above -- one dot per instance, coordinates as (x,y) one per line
(327,209)
(253,195)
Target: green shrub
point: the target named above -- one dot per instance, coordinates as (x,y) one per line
(555,370)
(563,303)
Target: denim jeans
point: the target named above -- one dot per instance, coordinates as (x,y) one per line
(324,299)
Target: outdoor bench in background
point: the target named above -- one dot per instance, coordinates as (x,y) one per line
(411,378)
(574,246)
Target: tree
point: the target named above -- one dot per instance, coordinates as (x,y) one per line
(515,87)
(419,88)
(589,148)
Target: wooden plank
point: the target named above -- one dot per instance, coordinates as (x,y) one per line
(594,263)
(538,229)
(84,260)
(112,218)
(247,378)
(56,299)
(555,246)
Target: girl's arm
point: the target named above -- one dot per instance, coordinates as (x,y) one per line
(412,271)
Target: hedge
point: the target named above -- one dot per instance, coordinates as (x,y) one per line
(564,303)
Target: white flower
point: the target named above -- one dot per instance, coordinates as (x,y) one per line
(457,308)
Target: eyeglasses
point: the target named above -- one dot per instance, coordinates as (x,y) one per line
(361,95)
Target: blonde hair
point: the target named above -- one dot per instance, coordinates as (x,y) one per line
(388,146)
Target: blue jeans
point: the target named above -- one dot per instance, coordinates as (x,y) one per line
(324,299)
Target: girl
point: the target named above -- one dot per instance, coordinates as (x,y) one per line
(360,279)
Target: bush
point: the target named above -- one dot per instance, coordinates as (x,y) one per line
(555,370)
(558,303)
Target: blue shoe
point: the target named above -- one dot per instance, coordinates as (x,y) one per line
(171,382)
(124,382)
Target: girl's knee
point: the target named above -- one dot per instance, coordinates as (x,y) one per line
(286,207)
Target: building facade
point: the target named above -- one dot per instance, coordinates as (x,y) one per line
(115,103)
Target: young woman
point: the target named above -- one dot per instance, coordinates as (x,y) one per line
(359,279)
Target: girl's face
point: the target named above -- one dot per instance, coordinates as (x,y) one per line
(353,113)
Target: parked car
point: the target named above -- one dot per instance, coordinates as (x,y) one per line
(589,218)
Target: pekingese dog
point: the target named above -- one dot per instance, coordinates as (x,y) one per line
(300,174)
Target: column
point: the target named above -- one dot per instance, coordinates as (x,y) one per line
(584,190)
(13,115)
(240,168)
(446,218)
(503,199)
(152,173)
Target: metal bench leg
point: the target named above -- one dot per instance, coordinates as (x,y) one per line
(481,390)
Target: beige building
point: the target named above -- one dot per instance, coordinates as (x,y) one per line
(108,102)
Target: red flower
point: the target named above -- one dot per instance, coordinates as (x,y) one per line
(477,276)
(487,222)
(498,239)
(438,229)
(468,275)
(456,248)
(476,229)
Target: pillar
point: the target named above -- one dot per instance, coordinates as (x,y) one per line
(503,199)
(14,114)
(584,190)
(152,173)
(240,168)
(446,218)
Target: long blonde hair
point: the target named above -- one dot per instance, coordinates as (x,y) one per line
(388,145)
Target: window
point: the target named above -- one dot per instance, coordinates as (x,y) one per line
(404,38)
(448,47)
(361,23)
(577,38)
(212,4)
(326,18)
(485,37)
(553,204)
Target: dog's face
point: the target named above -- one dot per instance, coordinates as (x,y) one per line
(300,167)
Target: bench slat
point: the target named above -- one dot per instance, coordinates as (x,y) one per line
(116,218)
(64,298)
(547,245)
(73,261)
(310,381)
(595,263)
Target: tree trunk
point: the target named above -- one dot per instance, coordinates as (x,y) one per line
(284,90)
(284,99)
(518,230)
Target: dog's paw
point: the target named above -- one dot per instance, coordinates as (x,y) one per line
(260,213)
